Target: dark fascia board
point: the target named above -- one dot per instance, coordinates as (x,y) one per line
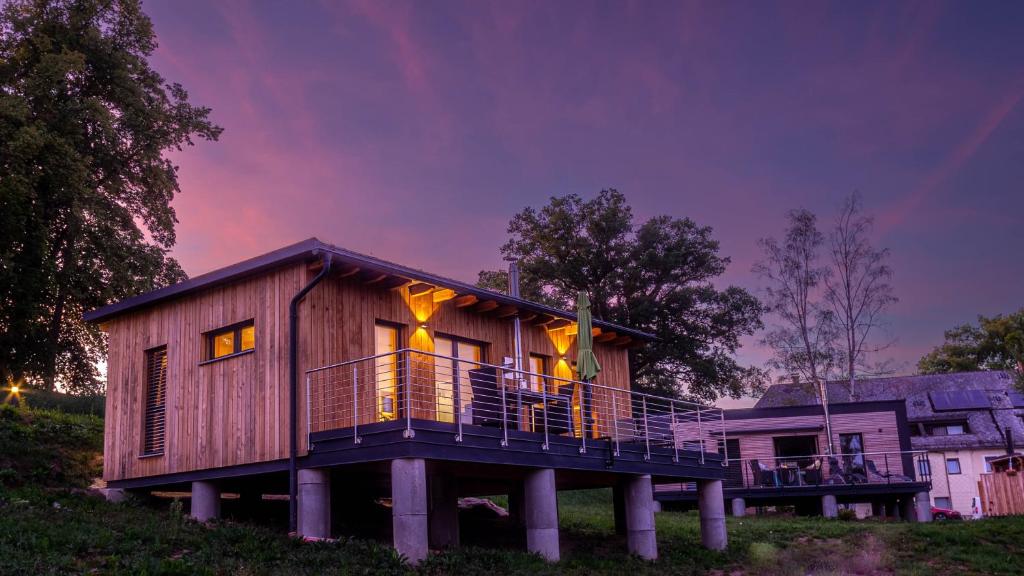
(310,249)
(295,252)
(815,409)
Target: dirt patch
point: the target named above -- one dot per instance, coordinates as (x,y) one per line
(864,555)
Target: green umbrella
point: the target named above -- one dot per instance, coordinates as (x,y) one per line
(587,366)
(586,363)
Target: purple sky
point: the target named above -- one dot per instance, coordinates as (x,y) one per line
(415,131)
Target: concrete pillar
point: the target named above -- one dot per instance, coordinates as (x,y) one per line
(114,495)
(829,507)
(639,503)
(443,515)
(739,507)
(711,504)
(205,501)
(619,508)
(541,513)
(314,503)
(409,508)
(923,503)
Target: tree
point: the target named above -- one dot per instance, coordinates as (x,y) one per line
(656,277)
(996,343)
(85,187)
(857,289)
(803,342)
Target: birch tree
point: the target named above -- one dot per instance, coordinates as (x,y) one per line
(858,289)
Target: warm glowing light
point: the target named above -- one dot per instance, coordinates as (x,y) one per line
(15,389)
(423,326)
(442,295)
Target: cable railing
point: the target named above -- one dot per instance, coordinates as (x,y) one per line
(822,470)
(409,386)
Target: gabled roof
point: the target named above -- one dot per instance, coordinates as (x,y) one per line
(310,249)
(926,397)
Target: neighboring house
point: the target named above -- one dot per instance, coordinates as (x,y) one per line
(962,420)
(330,374)
(780,456)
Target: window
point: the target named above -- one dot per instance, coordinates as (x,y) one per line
(943,502)
(386,338)
(953,465)
(468,355)
(948,429)
(156,402)
(924,467)
(851,446)
(538,365)
(231,340)
(988,463)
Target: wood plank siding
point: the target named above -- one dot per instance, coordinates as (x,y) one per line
(235,410)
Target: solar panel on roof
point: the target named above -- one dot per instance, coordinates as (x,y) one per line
(959,400)
(1016,398)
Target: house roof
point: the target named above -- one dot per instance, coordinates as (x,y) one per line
(312,248)
(927,398)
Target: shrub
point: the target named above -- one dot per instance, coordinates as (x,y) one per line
(847,514)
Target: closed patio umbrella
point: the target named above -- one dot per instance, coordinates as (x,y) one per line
(587,366)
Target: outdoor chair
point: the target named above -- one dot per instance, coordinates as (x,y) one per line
(875,474)
(763,476)
(812,473)
(559,415)
(487,400)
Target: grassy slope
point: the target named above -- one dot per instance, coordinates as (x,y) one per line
(53,531)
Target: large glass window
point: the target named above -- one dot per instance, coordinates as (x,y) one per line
(467,355)
(538,366)
(231,340)
(386,337)
(851,446)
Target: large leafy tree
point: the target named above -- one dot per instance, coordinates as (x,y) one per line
(656,276)
(85,186)
(995,343)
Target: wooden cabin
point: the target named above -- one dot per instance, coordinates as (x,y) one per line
(782,456)
(394,382)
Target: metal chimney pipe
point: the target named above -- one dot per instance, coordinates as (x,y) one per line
(513,291)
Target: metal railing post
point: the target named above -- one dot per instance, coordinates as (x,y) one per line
(888,475)
(544,403)
(504,408)
(457,407)
(408,397)
(725,441)
(700,435)
(647,431)
(583,421)
(309,421)
(355,405)
(615,423)
(672,428)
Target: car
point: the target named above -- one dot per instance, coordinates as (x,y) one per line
(945,514)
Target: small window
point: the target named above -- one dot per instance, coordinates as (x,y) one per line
(154,417)
(943,502)
(924,468)
(231,340)
(953,465)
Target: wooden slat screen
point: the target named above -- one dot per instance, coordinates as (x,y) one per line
(156,398)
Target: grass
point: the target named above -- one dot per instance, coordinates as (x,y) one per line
(51,526)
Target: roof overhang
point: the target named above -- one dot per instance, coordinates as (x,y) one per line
(373,269)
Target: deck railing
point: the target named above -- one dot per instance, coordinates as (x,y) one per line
(797,472)
(409,385)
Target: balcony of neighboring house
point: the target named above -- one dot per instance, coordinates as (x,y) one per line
(454,407)
(887,480)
